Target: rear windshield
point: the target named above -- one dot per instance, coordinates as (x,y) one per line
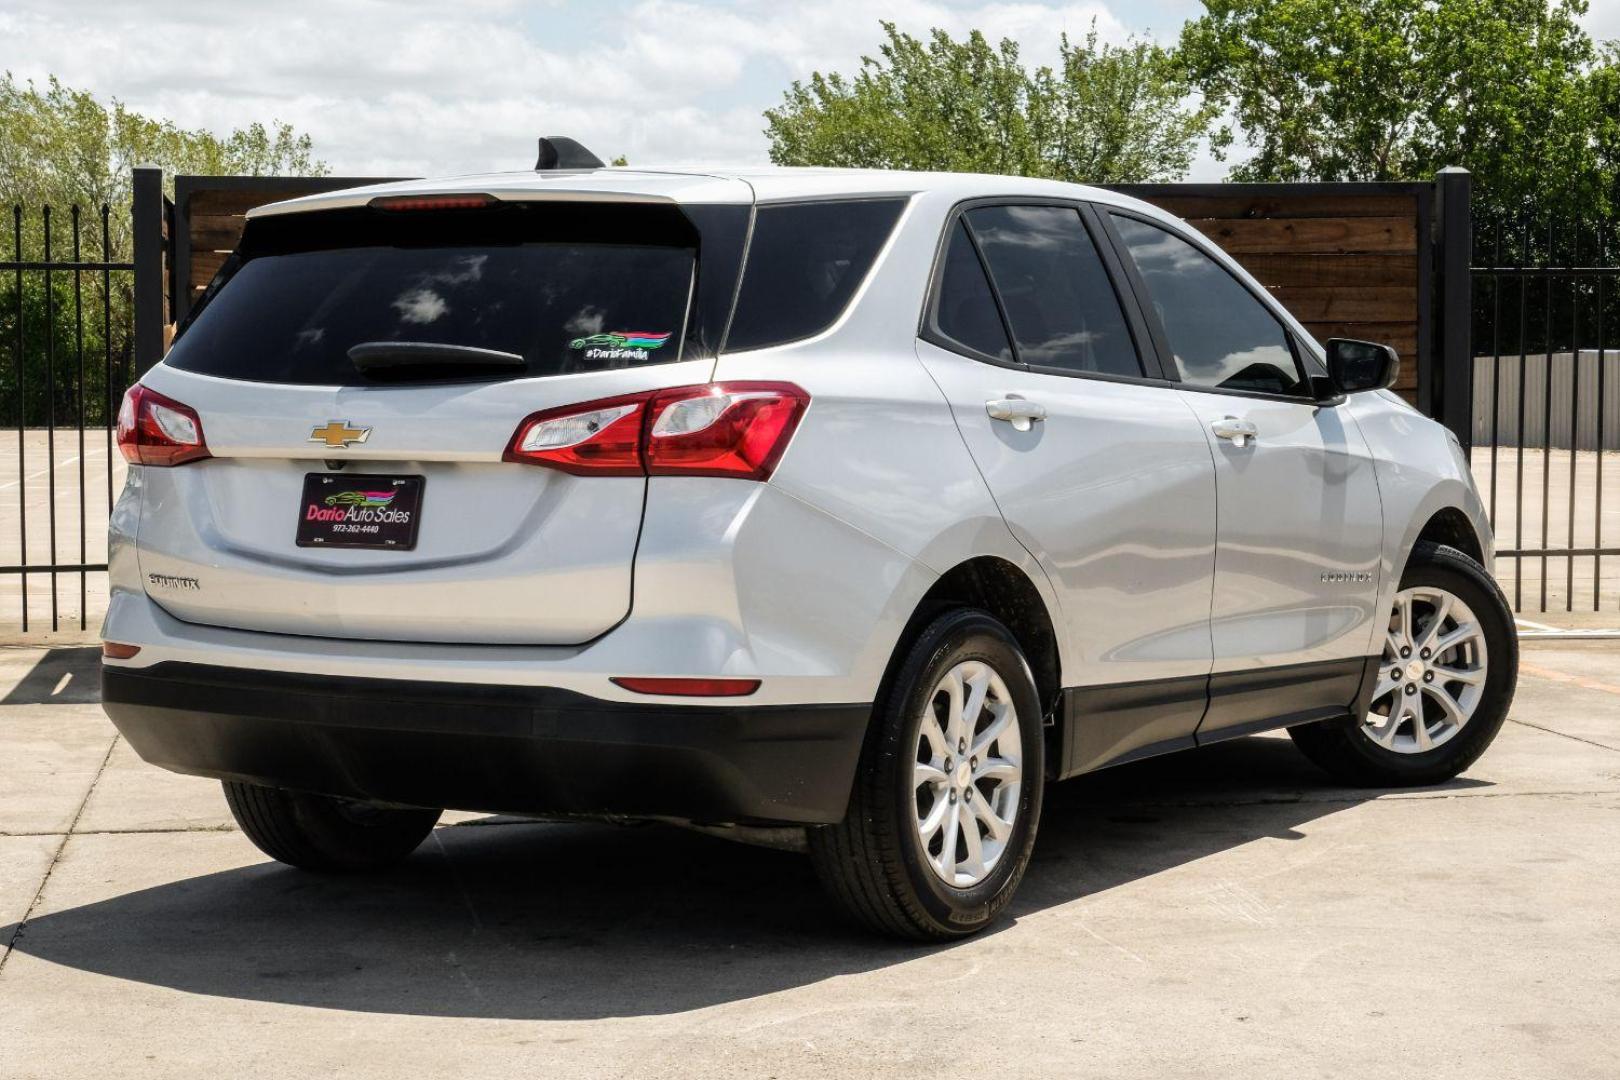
(568,288)
(805,262)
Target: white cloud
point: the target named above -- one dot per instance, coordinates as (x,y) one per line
(412,87)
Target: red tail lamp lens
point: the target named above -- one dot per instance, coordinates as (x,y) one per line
(157,430)
(734,429)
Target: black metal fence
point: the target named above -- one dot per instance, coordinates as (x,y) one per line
(66,309)
(1546,408)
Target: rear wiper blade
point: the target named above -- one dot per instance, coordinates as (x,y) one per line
(371,356)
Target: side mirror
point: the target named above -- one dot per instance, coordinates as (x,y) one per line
(1361,365)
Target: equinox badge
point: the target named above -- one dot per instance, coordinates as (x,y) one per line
(338,433)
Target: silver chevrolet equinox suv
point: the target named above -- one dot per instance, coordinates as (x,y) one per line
(839,508)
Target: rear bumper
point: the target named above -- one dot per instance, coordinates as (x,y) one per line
(502,749)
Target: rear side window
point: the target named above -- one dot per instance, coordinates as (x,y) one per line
(1220,334)
(567,291)
(965,310)
(805,262)
(1060,304)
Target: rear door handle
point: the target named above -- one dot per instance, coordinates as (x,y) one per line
(1239,431)
(1019,413)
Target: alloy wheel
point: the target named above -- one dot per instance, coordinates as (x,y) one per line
(1432,675)
(968,774)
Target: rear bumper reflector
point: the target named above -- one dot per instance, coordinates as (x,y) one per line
(688,687)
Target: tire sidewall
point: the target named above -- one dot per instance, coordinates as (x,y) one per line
(953,639)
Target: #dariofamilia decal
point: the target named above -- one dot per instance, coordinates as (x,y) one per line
(619,344)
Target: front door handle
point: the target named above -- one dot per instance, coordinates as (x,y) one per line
(1239,431)
(1019,413)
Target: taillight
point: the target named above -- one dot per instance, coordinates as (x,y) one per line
(730,429)
(735,429)
(157,430)
(599,438)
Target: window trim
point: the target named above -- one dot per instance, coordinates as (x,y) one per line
(1161,338)
(1147,354)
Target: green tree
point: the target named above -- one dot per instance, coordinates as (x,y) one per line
(1396,89)
(1106,114)
(64,149)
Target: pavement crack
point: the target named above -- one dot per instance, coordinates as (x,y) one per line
(56,857)
(1565,734)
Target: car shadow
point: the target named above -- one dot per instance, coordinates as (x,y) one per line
(521,920)
(62,676)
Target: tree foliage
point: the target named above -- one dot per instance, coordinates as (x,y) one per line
(1105,114)
(1396,89)
(64,149)
(60,146)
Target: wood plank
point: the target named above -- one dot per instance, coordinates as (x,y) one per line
(1287,206)
(204,265)
(226,201)
(1307,235)
(1338,270)
(1349,305)
(216,232)
(1401,336)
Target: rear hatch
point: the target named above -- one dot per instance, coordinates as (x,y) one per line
(361,492)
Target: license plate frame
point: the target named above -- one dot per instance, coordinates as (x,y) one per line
(368,521)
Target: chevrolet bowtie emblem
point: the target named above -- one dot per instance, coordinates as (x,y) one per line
(339,433)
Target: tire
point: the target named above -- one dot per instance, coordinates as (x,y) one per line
(1347,748)
(323,833)
(876,864)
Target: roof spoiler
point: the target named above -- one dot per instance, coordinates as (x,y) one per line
(561,152)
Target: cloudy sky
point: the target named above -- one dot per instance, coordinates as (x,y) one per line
(433,87)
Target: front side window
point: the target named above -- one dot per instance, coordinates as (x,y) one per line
(1059,301)
(805,261)
(1221,336)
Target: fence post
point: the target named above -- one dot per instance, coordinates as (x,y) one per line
(1449,394)
(149,307)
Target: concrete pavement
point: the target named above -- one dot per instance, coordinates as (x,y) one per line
(1222,914)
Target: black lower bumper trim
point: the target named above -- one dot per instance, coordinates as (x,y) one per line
(501,749)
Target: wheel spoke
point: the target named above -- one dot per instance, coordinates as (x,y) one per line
(1448,704)
(973,859)
(954,691)
(946,860)
(1420,732)
(1003,713)
(929,825)
(1439,620)
(997,826)
(995,768)
(1462,633)
(1392,645)
(1384,734)
(1403,609)
(924,773)
(978,689)
(1387,683)
(1471,676)
(938,745)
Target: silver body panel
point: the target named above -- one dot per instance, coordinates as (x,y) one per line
(1159,551)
